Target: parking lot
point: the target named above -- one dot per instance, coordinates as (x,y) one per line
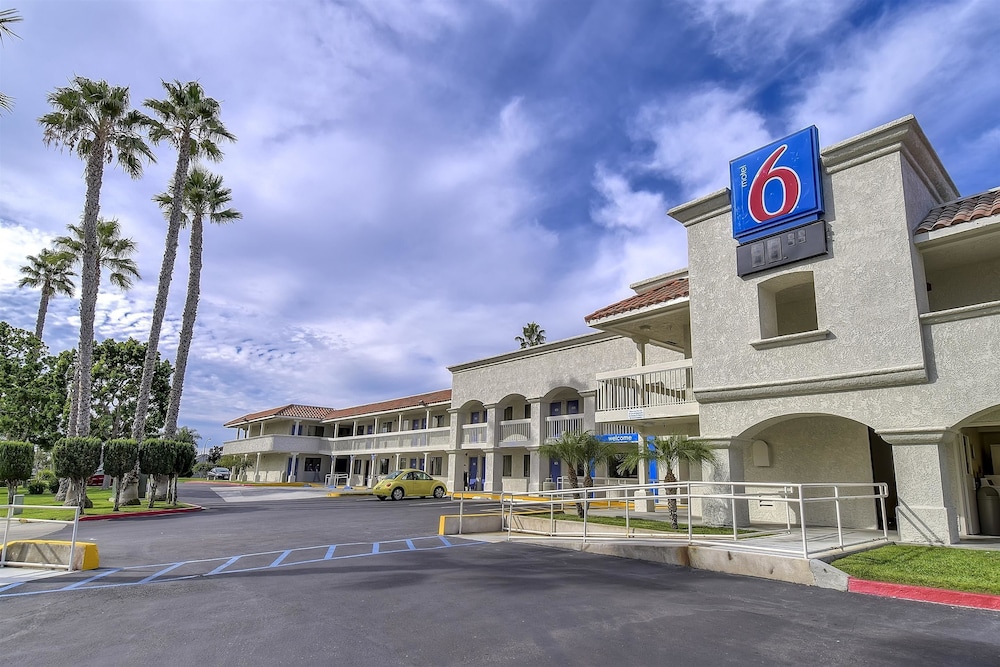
(279,577)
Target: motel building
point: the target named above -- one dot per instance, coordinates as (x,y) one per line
(838,322)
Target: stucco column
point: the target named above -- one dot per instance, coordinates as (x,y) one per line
(728,467)
(399,460)
(293,466)
(537,425)
(923,460)
(426,469)
(350,472)
(371,472)
(537,475)
(492,428)
(256,469)
(494,470)
(455,470)
(589,410)
(454,428)
(296,427)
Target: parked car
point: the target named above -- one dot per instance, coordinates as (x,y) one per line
(408,482)
(97,479)
(218,473)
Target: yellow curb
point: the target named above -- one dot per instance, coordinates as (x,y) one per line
(31,552)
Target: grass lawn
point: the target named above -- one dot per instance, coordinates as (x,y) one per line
(102,499)
(647,524)
(936,567)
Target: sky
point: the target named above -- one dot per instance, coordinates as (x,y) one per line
(420,178)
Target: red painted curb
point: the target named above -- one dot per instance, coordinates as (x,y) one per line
(130,515)
(924,594)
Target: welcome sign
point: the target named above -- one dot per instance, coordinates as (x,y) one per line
(777,187)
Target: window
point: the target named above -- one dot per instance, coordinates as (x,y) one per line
(508,464)
(436,466)
(527,410)
(318,431)
(344,431)
(555,409)
(573,407)
(371,429)
(438,421)
(413,463)
(312,465)
(474,418)
(508,413)
(527,465)
(787,304)
(357,467)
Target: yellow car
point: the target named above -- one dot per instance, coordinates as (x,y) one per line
(408,482)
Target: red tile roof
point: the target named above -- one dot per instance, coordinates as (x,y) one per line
(675,289)
(442,396)
(962,210)
(292,410)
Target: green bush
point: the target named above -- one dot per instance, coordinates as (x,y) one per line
(53,484)
(46,475)
(16,461)
(36,486)
(77,458)
(201,469)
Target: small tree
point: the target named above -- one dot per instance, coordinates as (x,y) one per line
(214,454)
(578,448)
(185,454)
(76,459)
(16,462)
(120,457)
(156,457)
(667,452)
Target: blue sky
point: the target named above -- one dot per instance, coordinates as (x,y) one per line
(420,179)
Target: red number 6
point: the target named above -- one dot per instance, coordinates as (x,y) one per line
(790,188)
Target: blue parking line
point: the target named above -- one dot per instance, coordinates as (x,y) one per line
(279,561)
(225,565)
(163,571)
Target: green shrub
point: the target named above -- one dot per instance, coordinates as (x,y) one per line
(77,458)
(36,486)
(201,469)
(16,461)
(46,475)
(53,484)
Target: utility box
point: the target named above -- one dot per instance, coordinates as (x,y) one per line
(988,499)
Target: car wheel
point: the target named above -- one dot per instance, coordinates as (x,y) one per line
(439,492)
(397,493)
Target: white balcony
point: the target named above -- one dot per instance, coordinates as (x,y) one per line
(423,439)
(647,392)
(473,434)
(515,432)
(556,426)
(300,444)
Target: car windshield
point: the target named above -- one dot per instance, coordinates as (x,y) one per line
(394,474)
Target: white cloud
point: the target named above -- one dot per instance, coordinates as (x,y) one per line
(695,136)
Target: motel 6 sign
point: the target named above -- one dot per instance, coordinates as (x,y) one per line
(777,187)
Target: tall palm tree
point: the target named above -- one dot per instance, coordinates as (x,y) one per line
(7,16)
(204,197)
(93,119)
(113,253)
(532,335)
(578,448)
(52,271)
(667,452)
(189,121)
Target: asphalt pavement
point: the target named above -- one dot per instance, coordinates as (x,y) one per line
(352,581)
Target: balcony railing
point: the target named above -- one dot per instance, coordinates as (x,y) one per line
(646,387)
(434,438)
(473,434)
(515,430)
(556,426)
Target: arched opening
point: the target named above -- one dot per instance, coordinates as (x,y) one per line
(977,466)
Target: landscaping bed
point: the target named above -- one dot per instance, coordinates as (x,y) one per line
(949,568)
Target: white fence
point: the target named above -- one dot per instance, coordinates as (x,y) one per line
(515,431)
(647,386)
(730,500)
(556,426)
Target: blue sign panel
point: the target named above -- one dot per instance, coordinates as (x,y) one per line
(619,437)
(777,187)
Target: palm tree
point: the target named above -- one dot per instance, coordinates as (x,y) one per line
(7,16)
(52,271)
(113,253)
(93,119)
(190,122)
(667,452)
(578,448)
(204,196)
(532,335)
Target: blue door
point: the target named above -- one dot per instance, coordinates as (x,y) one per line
(555,470)
(473,473)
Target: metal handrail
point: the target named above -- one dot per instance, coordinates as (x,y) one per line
(75,522)
(513,504)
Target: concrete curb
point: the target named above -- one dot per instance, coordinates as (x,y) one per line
(924,594)
(131,515)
